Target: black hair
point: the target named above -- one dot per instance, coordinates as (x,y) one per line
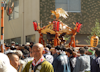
(23,44)
(82,50)
(70,51)
(26,47)
(73,49)
(31,42)
(97,52)
(57,48)
(95,48)
(48,46)
(63,48)
(25,53)
(86,48)
(7,46)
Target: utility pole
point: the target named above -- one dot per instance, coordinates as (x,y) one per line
(9,9)
(2,26)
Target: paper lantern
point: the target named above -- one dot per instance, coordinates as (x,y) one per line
(35,25)
(94,41)
(56,25)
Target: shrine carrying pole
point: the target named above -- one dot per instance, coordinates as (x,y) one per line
(2,26)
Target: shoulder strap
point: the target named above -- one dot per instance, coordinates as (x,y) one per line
(35,67)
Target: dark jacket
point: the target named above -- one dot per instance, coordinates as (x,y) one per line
(82,64)
(72,61)
(96,65)
(61,63)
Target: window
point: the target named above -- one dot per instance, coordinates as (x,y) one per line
(69,5)
(30,38)
(15,13)
(7,41)
(16,40)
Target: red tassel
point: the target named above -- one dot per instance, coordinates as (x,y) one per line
(56,25)
(35,25)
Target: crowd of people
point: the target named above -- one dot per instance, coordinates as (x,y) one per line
(34,57)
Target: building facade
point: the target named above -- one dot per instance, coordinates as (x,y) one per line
(83,11)
(18,26)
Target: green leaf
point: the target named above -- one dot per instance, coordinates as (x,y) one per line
(96,30)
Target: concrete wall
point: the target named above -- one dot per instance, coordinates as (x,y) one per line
(23,25)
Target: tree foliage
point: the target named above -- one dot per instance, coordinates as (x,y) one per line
(94,30)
